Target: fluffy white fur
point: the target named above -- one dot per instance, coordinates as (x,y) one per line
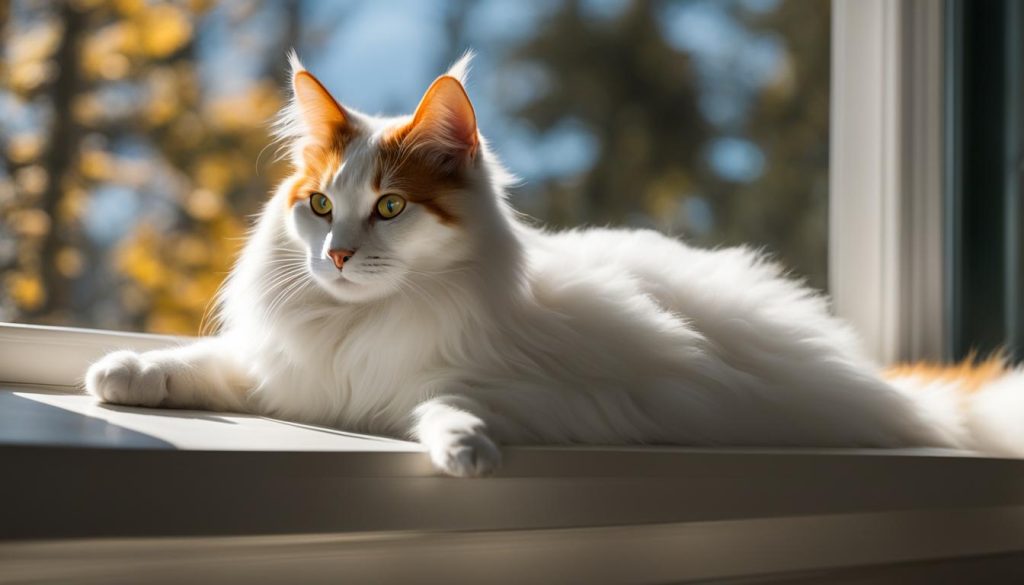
(491,332)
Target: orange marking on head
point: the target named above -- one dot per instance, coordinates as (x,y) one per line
(416,175)
(317,168)
(425,160)
(969,375)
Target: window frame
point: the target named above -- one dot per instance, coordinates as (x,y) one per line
(986,52)
(59,356)
(889,234)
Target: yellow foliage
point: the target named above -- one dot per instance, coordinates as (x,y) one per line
(165,28)
(214,173)
(96,164)
(169,270)
(114,66)
(34,43)
(186,132)
(24,147)
(70,262)
(169,88)
(27,54)
(138,257)
(227,231)
(31,180)
(194,295)
(248,110)
(25,76)
(204,204)
(198,6)
(105,52)
(176,276)
(170,323)
(129,7)
(26,290)
(73,204)
(191,251)
(30,223)
(87,109)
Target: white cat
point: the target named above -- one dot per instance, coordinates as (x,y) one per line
(388,287)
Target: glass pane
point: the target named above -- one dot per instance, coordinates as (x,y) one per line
(134,135)
(986,51)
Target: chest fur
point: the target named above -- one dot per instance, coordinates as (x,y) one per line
(362,374)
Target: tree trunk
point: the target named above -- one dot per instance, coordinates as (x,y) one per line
(63,145)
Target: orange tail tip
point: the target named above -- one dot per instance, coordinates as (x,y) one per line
(969,374)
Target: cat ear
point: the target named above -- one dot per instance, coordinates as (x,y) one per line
(320,115)
(315,126)
(445,120)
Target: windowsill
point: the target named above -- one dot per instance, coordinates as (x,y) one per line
(78,471)
(53,416)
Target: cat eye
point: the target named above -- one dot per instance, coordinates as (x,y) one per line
(390,206)
(320,204)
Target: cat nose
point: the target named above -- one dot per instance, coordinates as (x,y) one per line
(340,256)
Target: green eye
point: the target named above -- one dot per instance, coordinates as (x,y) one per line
(320,204)
(390,206)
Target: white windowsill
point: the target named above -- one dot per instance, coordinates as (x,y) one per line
(138,490)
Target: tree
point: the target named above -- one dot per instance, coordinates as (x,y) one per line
(635,95)
(122,107)
(638,97)
(786,209)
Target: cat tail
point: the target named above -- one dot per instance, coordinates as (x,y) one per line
(976,404)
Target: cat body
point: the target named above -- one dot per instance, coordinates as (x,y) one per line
(456,323)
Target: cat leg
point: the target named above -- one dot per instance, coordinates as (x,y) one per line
(455,438)
(202,375)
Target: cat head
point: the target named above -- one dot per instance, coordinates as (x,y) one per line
(376,201)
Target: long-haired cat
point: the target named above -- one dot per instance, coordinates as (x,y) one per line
(388,287)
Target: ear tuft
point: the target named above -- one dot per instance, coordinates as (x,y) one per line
(294,64)
(461,67)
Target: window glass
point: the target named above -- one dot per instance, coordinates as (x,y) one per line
(986,67)
(134,134)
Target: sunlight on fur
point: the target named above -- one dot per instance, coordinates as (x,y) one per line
(388,287)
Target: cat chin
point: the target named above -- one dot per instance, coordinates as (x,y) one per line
(347,290)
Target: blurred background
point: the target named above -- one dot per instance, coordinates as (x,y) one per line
(132,132)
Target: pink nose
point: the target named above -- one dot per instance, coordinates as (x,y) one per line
(340,257)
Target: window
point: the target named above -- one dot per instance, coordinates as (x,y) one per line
(134,134)
(925,249)
(986,53)
(859,139)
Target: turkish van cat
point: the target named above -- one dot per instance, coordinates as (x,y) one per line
(389,288)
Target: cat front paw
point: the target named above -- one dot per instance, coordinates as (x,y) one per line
(468,453)
(126,377)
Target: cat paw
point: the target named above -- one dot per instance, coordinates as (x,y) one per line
(125,377)
(466,454)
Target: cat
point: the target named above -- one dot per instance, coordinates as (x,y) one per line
(388,287)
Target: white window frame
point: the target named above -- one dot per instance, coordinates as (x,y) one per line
(59,356)
(888,234)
